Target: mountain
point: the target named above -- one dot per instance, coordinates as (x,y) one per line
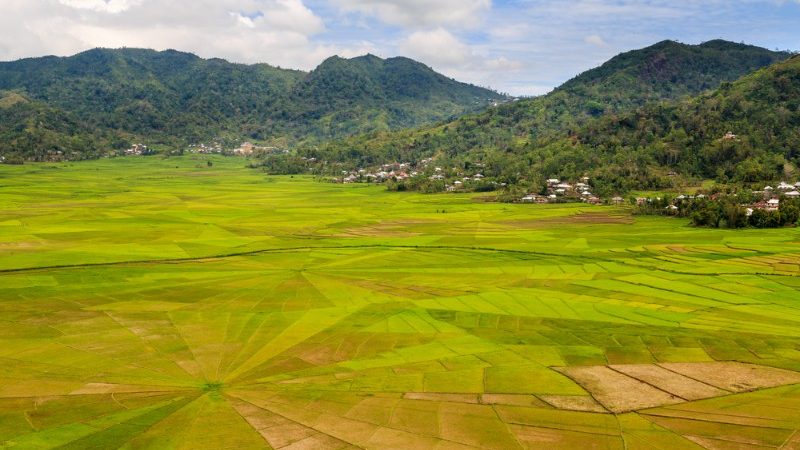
(666,71)
(747,131)
(345,95)
(175,98)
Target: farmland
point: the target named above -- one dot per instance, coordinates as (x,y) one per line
(168,303)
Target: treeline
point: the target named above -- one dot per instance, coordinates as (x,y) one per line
(729,210)
(729,214)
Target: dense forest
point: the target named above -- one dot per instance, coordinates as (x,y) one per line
(106,99)
(747,131)
(627,124)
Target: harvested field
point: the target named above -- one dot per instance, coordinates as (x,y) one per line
(581,218)
(735,377)
(574,403)
(617,392)
(666,380)
(622,388)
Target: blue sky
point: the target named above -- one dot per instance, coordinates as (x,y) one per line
(524,47)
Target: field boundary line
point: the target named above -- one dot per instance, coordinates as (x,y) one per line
(589,259)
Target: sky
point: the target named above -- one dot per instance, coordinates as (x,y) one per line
(520,47)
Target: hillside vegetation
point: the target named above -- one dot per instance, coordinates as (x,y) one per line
(175,98)
(573,130)
(762,111)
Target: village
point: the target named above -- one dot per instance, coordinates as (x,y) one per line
(562,192)
(460,180)
(386,172)
(556,190)
(245,149)
(767,199)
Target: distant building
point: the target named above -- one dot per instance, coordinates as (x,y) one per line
(592,200)
(773,204)
(245,149)
(136,150)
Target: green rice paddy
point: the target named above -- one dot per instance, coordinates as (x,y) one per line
(162,303)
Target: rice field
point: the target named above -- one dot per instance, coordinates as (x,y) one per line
(163,303)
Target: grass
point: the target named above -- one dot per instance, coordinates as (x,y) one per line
(140,296)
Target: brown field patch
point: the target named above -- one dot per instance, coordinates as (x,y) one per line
(616,391)
(574,403)
(512,400)
(396,228)
(536,437)
(734,376)
(408,291)
(683,387)
(19,245)
(628,387)
(108,388)
(720,444)
(436,397)
(717,435)
(678,249)
(281,432)
(584,218)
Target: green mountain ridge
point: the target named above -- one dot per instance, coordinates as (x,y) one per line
(761,111)
(541,137)
(175,98)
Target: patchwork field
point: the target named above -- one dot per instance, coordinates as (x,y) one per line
(162,303)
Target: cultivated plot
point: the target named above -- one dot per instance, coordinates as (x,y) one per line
(164,303)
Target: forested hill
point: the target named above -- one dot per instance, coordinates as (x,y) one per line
(176,98)
(665,71)
(747,131)
(368,92)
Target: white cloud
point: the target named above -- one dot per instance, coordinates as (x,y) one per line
(279,32)
(449,55)
(438,47)
(421,13)
(595,40)
(108,6)
(503,64)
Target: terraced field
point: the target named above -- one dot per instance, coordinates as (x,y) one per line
(150,303)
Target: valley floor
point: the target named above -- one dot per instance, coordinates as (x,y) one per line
(163,303)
